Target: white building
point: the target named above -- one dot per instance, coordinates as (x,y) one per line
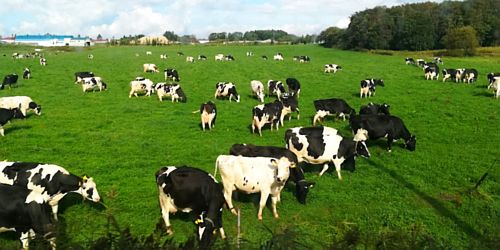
(52,40)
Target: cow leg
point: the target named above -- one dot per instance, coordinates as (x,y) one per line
(2,131)
(274,200)
(202,124)
(165,208)
(325,167)
(390,139)
(54,210)
(25,239)
(228,191)
(264,194)
(337,162)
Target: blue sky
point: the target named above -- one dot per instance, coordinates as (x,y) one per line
(116,18)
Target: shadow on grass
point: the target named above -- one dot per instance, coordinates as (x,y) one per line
(435,203)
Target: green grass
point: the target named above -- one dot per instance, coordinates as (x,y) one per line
(391,198)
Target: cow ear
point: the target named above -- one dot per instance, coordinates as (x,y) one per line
(274,163)
(293,165)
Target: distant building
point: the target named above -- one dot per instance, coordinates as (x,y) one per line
(152,40)
(50,40)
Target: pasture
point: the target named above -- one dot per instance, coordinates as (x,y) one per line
(424,198)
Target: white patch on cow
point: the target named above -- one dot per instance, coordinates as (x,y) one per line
(37,196)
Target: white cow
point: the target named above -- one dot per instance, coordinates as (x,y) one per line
(219,57)
(252,175)
(258,89)
(278,57)
(332,67)
(24,103)
(91,83)
(148,53)
(150,67)
(141,85)
(495,85)
(189,59)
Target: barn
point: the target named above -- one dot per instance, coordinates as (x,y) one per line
(53,40)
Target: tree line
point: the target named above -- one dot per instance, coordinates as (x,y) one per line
(420,26)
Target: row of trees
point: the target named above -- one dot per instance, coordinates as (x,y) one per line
(421,26)
(261,35)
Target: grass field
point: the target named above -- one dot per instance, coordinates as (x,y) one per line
(397,200)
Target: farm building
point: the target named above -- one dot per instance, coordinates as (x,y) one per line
(51,40)
(147,40)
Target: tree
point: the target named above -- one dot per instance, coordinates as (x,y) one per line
(462,39)
(331,37)
(171,36)
(99,37)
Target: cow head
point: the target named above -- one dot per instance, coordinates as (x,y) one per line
(302,189)
(88,189)
(282,167)
(411,143)
(37,108)
(206,228)
(384,108)
(362,149)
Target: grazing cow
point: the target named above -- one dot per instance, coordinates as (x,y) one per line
(293,86)
(409,60)
(80,75)
(437,60)
(269,113)
(322,145)
(172,74)
(304,59)
(92,83)
(275,88)
(189,59)
(420,62)
(189,189)
(141,84)
(374,109)
(449,74)
(491,78)
(226,89)
(43,61)
(90,56)
(379,126)
(26,73)
(296,174)
(264,58)
(249,53)
(9,80)
(258,89)
(180,53)
(290,104)
(173,90)
(163,56)
(229,58)
(150,67)
(470,75)
(431,71)
(27,213)
(208,112)
(24,103)
(278,57)
(202,57)
(266,175)
(219,57)
(332,68)
(368,87)
(331,107)
(49,179)
(148,53)
(6,115)
(459,75)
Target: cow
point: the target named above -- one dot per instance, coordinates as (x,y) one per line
(278,57)
(331,107)
(24,103)
(459,75)
(163,56)
(180,53)
(189,59)
(229,58)
(6,115)
(266,175)
(275,87)
(368,87)
(420,63)
(90,56)
(409,60)
(150,67)
(148,53)
(9,79)
(293,86)
(374,109)
(49,179)
(269,113)
(470,75)
(290,104)
(449,74)
(249,53)
(264,58)
(173,90)
(437,60)
(322,145)
(495,85)
(219,57)
(491,78)
(141,84)
(43,61)
(202,57)
(304,59)
(258,89)
(171,74)
(80,75)
(208,112)
(92,83)
(189,189)
(431,71)
(27,213)
(226,89)
(379,126)
(296,173)
(332,68)
(26,73)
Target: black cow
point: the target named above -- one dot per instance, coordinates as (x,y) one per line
(431,71)
(379,126)
(330,107)
(80,75)
(208,113)
(368,87)
(290,104)
(374,109)
(264,57)
(26,73)
(23,210)
(9,80)
(275,88)
(180,53)
(269,113)
(409,60)
(449,74)
(172,74)
(190,189)
(8,114)
(293,86)
(296,173)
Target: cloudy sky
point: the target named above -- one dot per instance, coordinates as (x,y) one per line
(116,18)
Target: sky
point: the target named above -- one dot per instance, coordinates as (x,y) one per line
(118,18)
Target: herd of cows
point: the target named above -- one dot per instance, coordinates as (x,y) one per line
(30,192)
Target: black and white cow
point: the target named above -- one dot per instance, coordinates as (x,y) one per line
(224,89)
(150,67)
(293,86)
(470,75)
(269,113)
(275,88)
(27,213)
(290,104)
(495,85)
(266,175)
(374,109)
(491,78)
(368,87)
(431,71)
(296,173)
(258,89)
(437,60)
(264,58)
(173,90)
(229,58)
(379,126)
(449,74)
(202,57)
(141,85)
(332,68)
(172,74)
(208,112)
(6,115)
(409,60)
(9,79)
(421,63)
(80,75)
(24,103)
(26,73)
(189,189)
(43,61)
(331,107)
(304,59)
(322,145)
(53,180)
(93,83)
